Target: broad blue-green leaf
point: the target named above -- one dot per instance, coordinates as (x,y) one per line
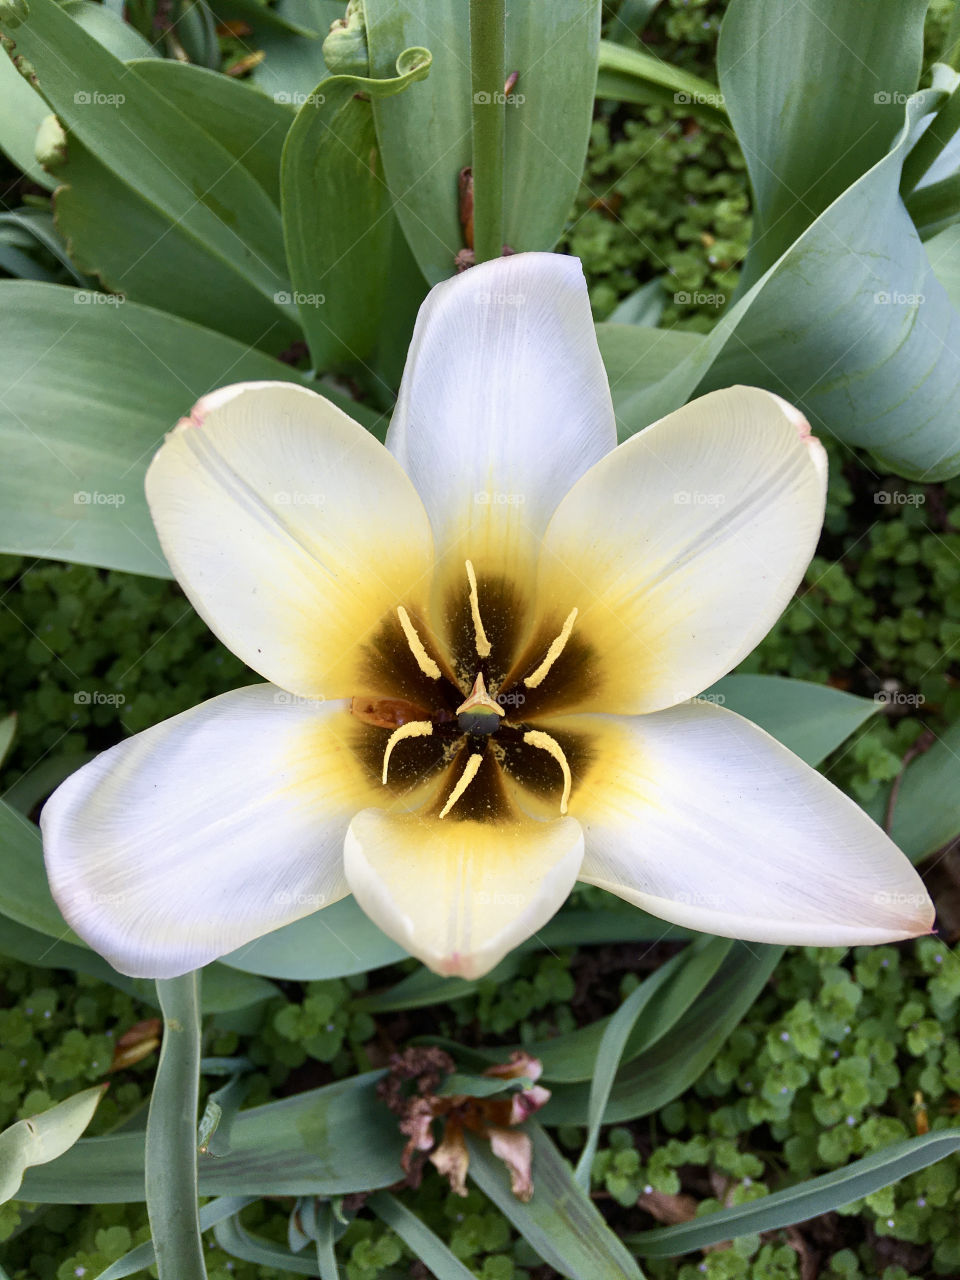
(808,1199)
(673,1062)
(241,1243)
(144,1255)
(643,306)
(816,98)
(325,1142)
(88,389)
(21,111)
(638,359)
(635,75)
(8,727)
(38,224)
(926,812)
(331,943)
(414,1232)
(110,30)
(851,324)
(246,123)
(187,184)
(811,719)
(339,248)
(943,250)
(43,1138)
(561,1222)
(293,65)
(425,135)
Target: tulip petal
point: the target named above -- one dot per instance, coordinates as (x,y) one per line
(679,551)
(701,818)
(206,831)
(293,532)
(504,404)
(460,894)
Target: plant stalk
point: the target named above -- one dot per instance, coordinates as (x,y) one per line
(487,61)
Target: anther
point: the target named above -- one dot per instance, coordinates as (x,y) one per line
(412,729)
(470,771)
(424,661)
(536,738)
(483,644)
(536,678)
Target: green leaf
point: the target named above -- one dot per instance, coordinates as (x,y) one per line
(425,135)
(339,248)
(638,359)
(87,392)
(926,813)
(326,1142)
(246,123)
(634,75)
(811,719)
(43,1138)
(332,943)
(144,1255)
(672,1063)
(185,187)
(816,98)
(943,250)
(414,1232)
(293,65)
(561,1223)
(858,269)
(170,1161)
(8,727)
(807,1200)
(240,1242)
(110,30)
(21,111)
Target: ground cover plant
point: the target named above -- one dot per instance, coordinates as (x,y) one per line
(716,1107)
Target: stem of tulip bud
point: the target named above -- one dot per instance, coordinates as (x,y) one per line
(171,1153)
(487,60)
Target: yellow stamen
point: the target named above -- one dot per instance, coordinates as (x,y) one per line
(470,771)
(483,644)
(424,661)
(412,729)
(536,738)
(537,677)
(480,698)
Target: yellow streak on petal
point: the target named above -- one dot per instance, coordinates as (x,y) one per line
(483,644)
(536,738)
(412,729)
(537,678)
(424,661)
(470,771)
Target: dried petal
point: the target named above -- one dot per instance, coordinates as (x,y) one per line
(452,1159)
(516,1152)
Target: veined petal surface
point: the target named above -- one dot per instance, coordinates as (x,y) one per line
(293,532)
(460,894)
(504,404)
(680,550)
(701,818)
(206,831)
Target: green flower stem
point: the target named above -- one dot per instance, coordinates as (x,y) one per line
(487,60)
(171,1159)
